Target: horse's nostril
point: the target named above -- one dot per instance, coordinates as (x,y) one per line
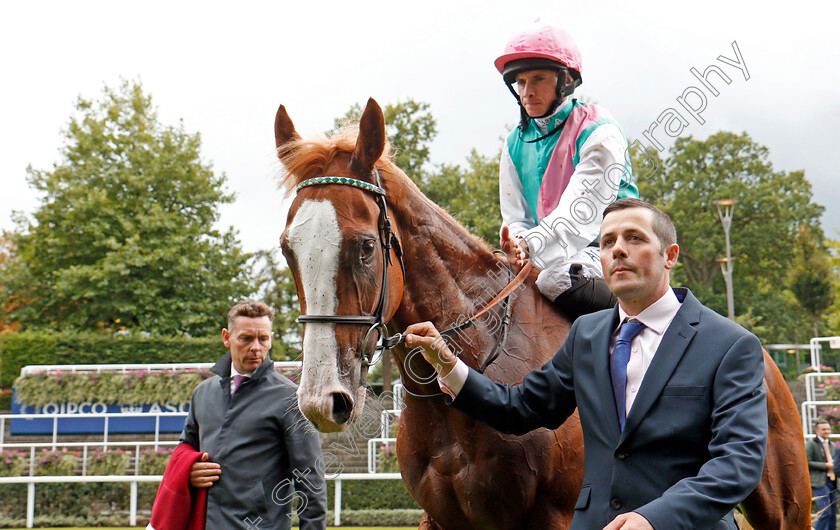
(342,407)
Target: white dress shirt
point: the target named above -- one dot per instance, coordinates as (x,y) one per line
(656,317)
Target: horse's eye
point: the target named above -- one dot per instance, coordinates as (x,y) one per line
(367,249)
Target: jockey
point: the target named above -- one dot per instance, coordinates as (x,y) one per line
(563,164)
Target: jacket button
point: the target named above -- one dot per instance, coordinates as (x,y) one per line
(621,455)
(615,504)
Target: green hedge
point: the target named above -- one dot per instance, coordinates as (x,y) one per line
(364,503)
(49,347)
(371,495)
(58,521)
(373,518)
(70,500)
(382,501)
(348,518)
(44,347)
(135,387)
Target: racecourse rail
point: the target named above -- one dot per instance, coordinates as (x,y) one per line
(30,481)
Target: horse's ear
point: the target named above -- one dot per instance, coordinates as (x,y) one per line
(371,140)
(284,129)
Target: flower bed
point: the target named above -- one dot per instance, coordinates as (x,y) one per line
(388,459)
(153,461)
(107,462)
(60,462)
(135,387)
(11,463)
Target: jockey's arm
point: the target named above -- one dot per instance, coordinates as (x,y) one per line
(576,221)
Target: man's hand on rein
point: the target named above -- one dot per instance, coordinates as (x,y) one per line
(434,348)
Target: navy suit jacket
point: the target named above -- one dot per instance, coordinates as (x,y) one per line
(694,441)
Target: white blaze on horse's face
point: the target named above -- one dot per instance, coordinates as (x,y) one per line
(314,238)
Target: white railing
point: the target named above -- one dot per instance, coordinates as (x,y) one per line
(816,349)
(134,479)
(811,390)
(810,415)
(134,462)
(373,451)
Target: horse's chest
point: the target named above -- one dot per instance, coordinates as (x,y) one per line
(478,475)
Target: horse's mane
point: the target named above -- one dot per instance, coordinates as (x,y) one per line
(308,158)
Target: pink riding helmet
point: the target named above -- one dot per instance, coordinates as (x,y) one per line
(540,41)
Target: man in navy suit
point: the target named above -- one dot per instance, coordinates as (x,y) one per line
(669,393)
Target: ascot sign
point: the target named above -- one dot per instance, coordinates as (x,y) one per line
(85,424)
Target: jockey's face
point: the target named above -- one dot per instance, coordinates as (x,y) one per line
(537,91)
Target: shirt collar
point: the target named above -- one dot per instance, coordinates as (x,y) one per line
(556,118)
(658,315)
(234,371)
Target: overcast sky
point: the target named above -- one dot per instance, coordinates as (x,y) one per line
(225,69)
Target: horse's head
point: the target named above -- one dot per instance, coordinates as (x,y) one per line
(339,254)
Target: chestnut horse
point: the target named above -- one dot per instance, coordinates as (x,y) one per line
(463,473)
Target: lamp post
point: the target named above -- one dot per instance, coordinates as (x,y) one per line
(724,209)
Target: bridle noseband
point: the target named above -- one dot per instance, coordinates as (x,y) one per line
(388,240)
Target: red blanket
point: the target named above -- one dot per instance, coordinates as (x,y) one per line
(175,495)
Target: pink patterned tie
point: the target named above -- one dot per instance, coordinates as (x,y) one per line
(237,381)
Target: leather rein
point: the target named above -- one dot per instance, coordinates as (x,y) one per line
(388,240)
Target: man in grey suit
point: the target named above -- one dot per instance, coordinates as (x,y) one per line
(669,393)
(258,448)
(821,456)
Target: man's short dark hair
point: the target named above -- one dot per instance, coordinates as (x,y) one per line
(663,226)
(249,308)
(821,422)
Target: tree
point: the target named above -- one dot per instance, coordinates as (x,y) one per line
(833,314)
(11,302)
(123,235)
(811,278)
(410,127)
(276,287)
(772,206)
(471,195)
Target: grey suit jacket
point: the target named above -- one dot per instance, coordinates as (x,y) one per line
(266,448)
(694,441)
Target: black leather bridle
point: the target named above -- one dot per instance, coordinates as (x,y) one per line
(388,240)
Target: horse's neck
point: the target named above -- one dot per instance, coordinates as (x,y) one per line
(450,274)
(446,268)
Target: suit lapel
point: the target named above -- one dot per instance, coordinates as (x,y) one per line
(601,363)
(671,349)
